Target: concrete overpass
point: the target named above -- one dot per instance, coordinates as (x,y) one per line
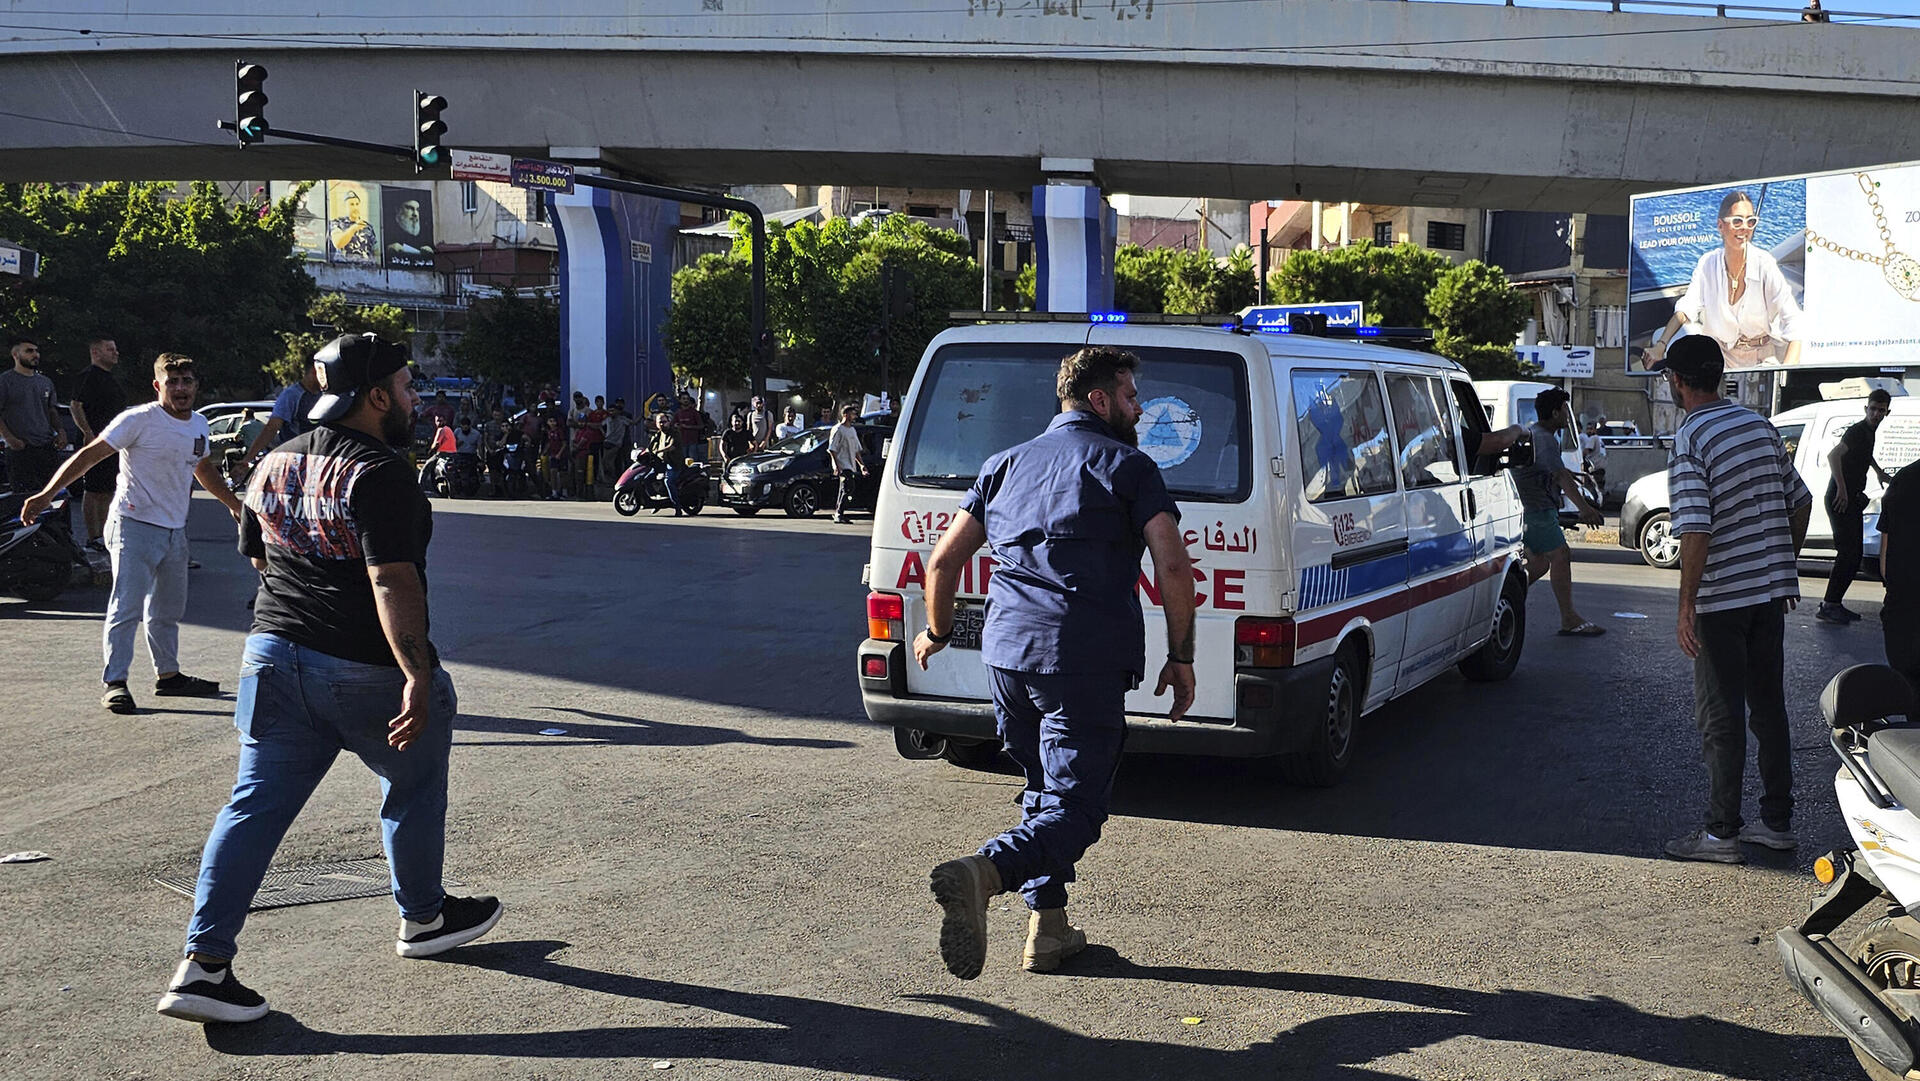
(1371,100)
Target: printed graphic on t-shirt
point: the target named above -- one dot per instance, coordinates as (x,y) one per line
(303,503)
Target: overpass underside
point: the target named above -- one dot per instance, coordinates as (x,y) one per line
(1444,132)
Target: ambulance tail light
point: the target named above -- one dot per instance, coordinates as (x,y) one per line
(886,617)
(1264,643)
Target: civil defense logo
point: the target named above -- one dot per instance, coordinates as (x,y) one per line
(1169,431)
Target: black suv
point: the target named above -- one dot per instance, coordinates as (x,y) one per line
(796,475)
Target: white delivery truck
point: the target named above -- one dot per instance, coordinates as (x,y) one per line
(1345,550)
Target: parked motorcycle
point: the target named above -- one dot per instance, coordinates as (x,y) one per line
(1870,990)
(644,484)
(460,476)
(36,563)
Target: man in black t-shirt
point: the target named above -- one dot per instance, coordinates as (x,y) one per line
(99,399)
(1900,570)
(338,660)
(1847,504)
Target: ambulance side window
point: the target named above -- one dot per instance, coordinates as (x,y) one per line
(1427,455)
(1342,426)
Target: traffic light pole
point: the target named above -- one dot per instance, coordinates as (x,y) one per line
(757,322)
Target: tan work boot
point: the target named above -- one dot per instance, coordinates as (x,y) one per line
(963,887)
(1050,940)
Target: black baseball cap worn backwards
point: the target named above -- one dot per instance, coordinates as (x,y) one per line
(348,365)
(1694,354)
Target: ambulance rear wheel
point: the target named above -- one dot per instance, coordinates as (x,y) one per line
(1329,751)
(1497,659)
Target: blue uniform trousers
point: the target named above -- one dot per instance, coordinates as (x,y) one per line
(1066,732)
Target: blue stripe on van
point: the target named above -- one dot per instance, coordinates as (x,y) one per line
(1322,585)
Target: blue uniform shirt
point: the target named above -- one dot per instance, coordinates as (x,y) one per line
(1065,515)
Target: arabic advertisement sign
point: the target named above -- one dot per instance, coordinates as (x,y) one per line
(479,165)
(537,175)
(409,227)
(1816,270)
(1339,313)
(1559,361)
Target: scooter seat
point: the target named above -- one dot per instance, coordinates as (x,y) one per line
(1894,754)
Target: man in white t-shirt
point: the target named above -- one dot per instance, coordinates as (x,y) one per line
(163,448)
(843,447)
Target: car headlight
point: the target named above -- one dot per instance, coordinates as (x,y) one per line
(774,466)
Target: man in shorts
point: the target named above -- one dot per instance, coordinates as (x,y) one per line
(98,400)
(1541,485)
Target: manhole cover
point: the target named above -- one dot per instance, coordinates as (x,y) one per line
(309,885)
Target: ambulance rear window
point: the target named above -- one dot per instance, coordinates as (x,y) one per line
(978,400)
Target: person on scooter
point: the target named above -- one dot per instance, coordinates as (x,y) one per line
(1740,511)
(670,457)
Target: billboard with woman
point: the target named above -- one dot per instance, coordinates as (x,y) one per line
(1792,271)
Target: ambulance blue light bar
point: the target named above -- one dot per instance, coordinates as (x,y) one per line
(1106,317)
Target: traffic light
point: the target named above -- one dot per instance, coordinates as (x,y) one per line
(249,102)
(428,129)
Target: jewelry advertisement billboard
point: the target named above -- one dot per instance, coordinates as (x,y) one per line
(1820,270)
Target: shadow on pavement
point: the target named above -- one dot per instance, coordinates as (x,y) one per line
(1567,755)
(589,726)
(990,1040)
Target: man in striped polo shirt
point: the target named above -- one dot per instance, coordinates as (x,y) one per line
(1740,511)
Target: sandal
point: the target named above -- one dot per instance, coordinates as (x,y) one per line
(185,686)
(1589,629)
(117,699)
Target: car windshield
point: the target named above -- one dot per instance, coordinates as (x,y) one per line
(802,443)
(980,399)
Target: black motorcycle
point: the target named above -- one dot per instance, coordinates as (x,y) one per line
(644,484)
(36,560)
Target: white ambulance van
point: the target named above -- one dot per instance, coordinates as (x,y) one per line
(1345,550)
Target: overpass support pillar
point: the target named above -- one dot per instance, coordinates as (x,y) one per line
(616,268)
(1073,232)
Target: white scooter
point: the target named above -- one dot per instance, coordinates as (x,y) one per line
(1871,990)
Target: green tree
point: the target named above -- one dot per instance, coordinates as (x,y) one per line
(1202,285)
(1142,276)
(158,270)
(709,324)
(1392,282)
(337,316)
(1476,317)
(825,302)
(511,339)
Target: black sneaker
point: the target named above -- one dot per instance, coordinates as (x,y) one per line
(461,920)
(203,996)
(185,686)
(1832,613)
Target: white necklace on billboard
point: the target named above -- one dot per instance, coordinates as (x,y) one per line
(1901,270)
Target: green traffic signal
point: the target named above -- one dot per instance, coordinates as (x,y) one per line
(249,102)
(428,130)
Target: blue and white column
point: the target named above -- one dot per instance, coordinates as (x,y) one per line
(616,269)
(1073,233)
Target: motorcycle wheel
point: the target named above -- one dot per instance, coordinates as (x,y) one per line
(693,498)
(745,512)
(1888,950)
(626,502)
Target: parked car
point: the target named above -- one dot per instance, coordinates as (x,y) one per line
(1809,432)
(215,410)
(796,475)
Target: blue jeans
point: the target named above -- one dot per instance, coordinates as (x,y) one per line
(1066,732)
(297,709)
(150,586)
(675,475)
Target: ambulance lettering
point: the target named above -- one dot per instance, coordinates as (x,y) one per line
(976,576)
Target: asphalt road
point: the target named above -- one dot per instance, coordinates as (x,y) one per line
(721,865)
